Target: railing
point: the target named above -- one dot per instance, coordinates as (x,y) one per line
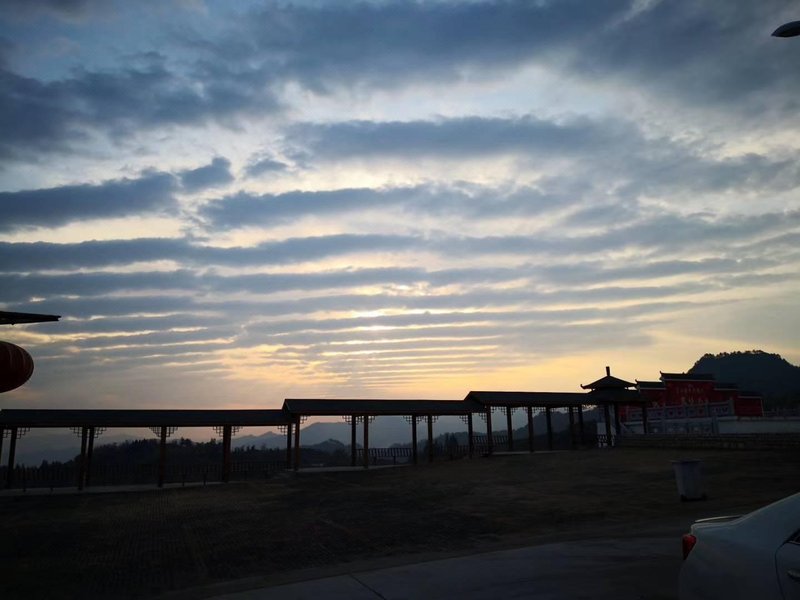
(788,411)
(738,441)
(66,475)
(683,411)
(603,440)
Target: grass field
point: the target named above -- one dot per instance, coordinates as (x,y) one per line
(146,543)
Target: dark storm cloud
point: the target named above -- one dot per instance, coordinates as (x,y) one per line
(51,207)
(215,174)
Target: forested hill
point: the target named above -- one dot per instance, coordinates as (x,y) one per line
(770,374)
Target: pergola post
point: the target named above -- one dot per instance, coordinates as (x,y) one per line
(366,441)
(489,437)
(580,425)
(289,446)
(12,450)
(470,439)
(414,455)
(571,427)
(430,438)
(644,418)
(617,428)
(2,433)
(162,457)
(547,412)
(530,429)
(82,459)
(297,443)
(89,452)
(510,429)
(226,453)
(353,441)
(607,418)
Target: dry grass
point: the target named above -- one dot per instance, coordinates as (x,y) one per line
(144,543)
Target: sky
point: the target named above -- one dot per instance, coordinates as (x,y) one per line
(231,203)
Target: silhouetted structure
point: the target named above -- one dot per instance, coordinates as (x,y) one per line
(89,424)
(613,393)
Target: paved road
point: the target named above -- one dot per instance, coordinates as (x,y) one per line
(618,569)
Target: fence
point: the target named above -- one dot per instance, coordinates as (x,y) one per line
(66,475)
(735,441)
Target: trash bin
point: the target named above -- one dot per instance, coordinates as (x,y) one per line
(689,477)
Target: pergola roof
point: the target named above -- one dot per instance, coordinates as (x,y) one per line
(336,407)
(140,418)
(13,318)
(536,399)
(609,382)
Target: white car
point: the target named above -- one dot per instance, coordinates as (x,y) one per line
(750,557)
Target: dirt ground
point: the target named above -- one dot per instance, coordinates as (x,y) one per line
(142,544)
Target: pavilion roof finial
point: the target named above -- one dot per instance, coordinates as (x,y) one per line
(608,370)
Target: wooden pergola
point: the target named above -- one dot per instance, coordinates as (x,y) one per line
(162,422)
(529,401)
(354,410)
(608,392)
(612,392)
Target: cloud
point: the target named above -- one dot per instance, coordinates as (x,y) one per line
(51,207)
(263,166)
(671,49)
(42,117)
(22,257)
(460,137)
(216,174)
(69,10)
(245,209)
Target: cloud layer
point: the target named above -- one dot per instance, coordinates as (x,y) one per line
(391,198)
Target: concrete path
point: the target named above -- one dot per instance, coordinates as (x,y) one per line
(612,569)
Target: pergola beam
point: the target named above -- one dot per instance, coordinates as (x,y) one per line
(162,456)
(366,441)
(430,438)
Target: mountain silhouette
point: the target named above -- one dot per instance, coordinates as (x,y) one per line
(769,374)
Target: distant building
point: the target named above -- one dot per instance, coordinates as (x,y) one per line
(694,396)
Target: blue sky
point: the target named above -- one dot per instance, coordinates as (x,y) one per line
(233,203)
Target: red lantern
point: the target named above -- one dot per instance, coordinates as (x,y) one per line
(16,366)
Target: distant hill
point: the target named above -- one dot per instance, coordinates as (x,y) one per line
(770,374)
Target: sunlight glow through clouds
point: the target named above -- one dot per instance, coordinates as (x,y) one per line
(284,201)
